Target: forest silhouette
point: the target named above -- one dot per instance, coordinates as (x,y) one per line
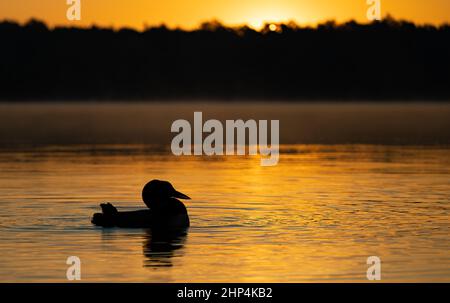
(384,60)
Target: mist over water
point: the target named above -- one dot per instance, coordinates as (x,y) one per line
(149,123)
(352,181)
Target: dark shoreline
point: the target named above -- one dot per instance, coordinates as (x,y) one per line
(381,61)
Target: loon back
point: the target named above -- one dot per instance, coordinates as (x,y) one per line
(172,215)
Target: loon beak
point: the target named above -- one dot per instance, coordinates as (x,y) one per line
(177,194)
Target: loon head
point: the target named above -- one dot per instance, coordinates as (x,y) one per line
(156,192)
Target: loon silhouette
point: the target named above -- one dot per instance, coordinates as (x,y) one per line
(165,211)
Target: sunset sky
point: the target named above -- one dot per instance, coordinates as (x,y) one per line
(189,13)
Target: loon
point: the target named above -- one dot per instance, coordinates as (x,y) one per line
(165,210)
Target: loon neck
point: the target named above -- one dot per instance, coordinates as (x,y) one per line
(159,204)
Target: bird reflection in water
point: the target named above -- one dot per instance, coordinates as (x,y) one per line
(159,246)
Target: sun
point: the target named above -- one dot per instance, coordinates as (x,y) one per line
(259,18)
(259,24)
(256,24)
(273,27)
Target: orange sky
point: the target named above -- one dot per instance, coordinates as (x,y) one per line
(189,13)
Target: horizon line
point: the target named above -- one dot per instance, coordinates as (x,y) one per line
(219,23)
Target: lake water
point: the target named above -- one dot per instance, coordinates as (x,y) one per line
(338,195)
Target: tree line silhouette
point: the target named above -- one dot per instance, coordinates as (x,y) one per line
(385,60)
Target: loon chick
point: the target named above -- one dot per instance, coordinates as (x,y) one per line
(165,210)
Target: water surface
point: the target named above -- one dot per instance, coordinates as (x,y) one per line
(373,180)
(316,216)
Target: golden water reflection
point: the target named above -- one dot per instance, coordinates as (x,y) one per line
(316,216)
